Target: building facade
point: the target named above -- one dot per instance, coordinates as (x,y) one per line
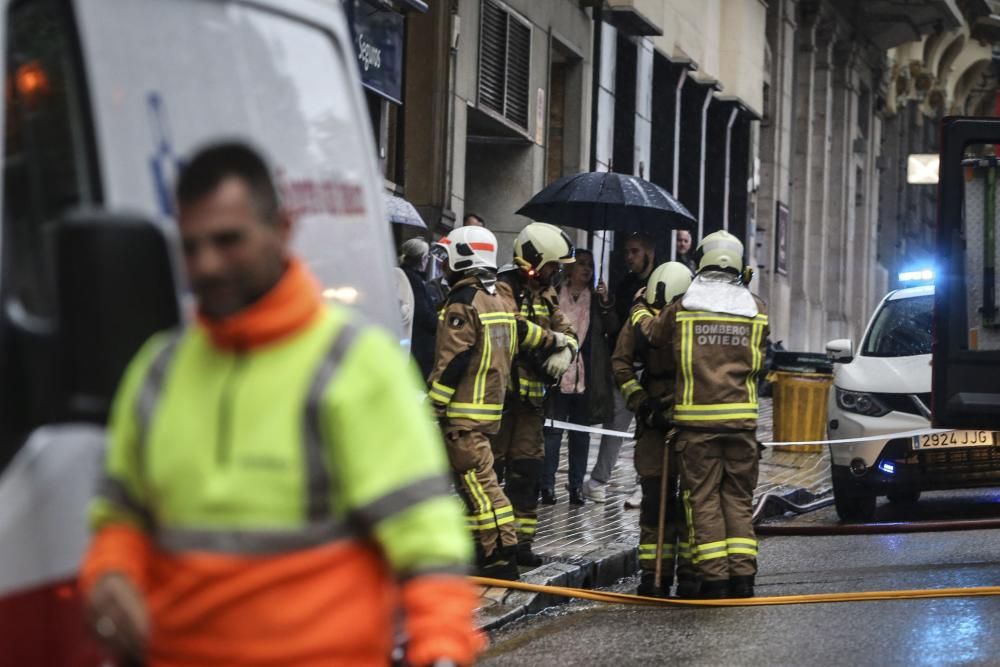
(785,122)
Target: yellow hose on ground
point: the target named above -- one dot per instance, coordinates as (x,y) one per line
(819,598)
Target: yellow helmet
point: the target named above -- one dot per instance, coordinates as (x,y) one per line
(667,282)
(721,250)
(540,243)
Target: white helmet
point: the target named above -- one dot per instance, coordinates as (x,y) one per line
(667,282)
(540,243)
(721,250)
(471,248)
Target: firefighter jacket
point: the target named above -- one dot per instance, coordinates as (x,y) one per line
(718,358)
(275,492)
(539,305)
(478,337)
(633,351)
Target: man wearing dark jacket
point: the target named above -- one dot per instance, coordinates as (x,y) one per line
(413,261)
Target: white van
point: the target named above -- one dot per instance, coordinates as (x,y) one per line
(103,100)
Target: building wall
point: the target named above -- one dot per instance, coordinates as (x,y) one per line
(832,122)
(495,177)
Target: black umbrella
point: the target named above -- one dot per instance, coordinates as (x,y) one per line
(605,200)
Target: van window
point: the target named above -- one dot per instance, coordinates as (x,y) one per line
(47,169)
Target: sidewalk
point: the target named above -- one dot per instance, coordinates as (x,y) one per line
(595,545)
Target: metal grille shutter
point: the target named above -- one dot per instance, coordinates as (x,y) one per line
(493,58)
(518,71)
(504,64)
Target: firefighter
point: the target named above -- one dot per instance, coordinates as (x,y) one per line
(649,394)
(271,492)
(718,332)
(540,250)
(477,338)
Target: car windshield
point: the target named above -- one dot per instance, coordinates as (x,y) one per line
(902,328)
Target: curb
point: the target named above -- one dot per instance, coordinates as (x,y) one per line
(600,568)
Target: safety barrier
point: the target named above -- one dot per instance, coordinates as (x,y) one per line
(568,426)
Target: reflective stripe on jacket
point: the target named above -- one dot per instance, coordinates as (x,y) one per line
(281,489)
(718,358)
(539,305)
(478,336)
(658,368)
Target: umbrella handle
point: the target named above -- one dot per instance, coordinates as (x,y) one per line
(604,245)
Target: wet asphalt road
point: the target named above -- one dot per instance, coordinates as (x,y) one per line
(961,631)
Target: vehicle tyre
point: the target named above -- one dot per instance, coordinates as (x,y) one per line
(852,505)
(904,497)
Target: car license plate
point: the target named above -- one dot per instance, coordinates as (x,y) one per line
(956,439)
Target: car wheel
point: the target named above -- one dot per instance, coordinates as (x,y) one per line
(853,505)
(904,497)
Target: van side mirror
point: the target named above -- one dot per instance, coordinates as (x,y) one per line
(841,351)
(115,288)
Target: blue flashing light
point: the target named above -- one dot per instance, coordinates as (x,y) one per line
(922,276)
(886,467)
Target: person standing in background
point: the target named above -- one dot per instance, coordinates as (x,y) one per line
(684,254)
(473,220)
(640,261)
(413,259)
(584,393)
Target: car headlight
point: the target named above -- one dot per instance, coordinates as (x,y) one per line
(860,402)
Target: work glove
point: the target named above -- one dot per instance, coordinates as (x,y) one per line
(558,362)
(651,414)
(560,340)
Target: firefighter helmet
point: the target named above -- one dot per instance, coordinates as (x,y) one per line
(667,282)
(721,250)
(540,243)
(471,248)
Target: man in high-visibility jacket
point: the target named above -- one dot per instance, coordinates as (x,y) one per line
(646,375)
(477,338)
(540,250)
(272,493)
(718,332)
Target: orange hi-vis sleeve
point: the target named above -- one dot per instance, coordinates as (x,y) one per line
(440,619)
(117,548)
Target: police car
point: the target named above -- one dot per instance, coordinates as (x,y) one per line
(884,388)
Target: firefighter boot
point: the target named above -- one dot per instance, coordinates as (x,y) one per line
(647,586)
(501,564)
(526,557)
(688,587)
(741,587)
(714,590)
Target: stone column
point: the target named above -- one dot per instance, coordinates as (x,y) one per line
(776,161)
(840,269)
(819,192)
(802,168)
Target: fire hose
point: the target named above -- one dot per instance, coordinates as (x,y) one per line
(783,530)
(762,601)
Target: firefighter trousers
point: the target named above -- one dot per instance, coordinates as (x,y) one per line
(718,475)
(519,451)
(488,511)
(649,466)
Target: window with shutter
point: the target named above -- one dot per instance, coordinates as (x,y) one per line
(504,63)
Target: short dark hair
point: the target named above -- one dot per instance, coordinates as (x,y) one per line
(642,239)
(478,218)
(213,164)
